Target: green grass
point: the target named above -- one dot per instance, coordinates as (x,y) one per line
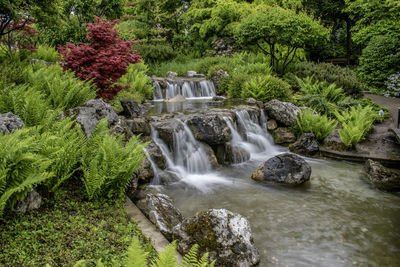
(68,228)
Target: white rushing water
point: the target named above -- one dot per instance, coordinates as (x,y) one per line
(188,159)
(203,89)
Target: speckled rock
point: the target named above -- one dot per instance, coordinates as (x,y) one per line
(381,177)
(306,145)
(10,122)
(285,168)
(209,128)
(225,235)
(285,113)
(30,202)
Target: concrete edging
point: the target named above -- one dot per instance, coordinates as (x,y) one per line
(148,228)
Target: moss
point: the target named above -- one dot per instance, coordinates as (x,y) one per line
(202,233)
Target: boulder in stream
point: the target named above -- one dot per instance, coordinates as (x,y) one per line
(10,122)
(225,235)
(306,145)
(285,113)
(209,128)
(132,109)
(163,213)
(167,128)
(283,135)
(287,168)
(381,177)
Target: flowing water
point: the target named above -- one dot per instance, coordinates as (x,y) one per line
(190,89)
(337,219)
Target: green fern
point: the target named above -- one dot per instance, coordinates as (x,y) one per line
(191,258)
(136,256)
(167,257)
(320,125)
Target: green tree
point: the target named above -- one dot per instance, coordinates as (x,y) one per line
(272,27)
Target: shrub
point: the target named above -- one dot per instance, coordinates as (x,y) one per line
(342,77)
(107,164)
(356,123)
(379,60)
(309,86)
(265,88)
(310,122)
(320,104)
(255,68)
(348,102)
(393,85)
(152,53)
(62,90)
(46,53)
(105,59)
(139,85)
(236,84)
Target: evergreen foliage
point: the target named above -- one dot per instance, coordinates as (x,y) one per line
(310,122)
(265,88)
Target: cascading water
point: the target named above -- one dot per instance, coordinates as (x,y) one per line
(190,89)
(156,170)
(188,161)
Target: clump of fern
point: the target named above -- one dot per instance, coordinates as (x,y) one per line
(310,122)
(108,164)
(356,123)
(46,53)
(138,85)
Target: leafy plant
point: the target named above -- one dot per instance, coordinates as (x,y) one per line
(107,164)
(380,59)
(343,77)
(104,60)
(46,53)
(62,90)
(236,84)
(310,122)
(356,123)
(310,86)
(139,86)
(152,53)
(266,88)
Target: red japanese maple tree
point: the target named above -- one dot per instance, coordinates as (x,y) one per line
(105,59)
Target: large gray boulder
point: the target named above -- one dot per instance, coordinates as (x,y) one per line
(225,235)
(284,113)
(306,145)
(131,109)
(209,128)
(381,177)
(90,114)
(10,122)
(31,201)
(167,128)
(163,214)
(286,168)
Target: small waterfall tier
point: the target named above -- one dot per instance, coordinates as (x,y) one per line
(190,88)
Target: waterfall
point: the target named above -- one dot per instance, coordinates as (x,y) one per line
(157,93)
(188,160)
(156,170)
(189,88)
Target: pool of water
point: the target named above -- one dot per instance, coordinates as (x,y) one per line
(336,219)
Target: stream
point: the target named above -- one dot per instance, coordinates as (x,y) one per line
(336,219)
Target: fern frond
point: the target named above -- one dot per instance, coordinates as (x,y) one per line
(136,256)
(167,257)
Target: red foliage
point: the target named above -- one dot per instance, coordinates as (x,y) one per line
(21,32)
(105,59)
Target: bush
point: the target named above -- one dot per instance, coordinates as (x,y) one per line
(236,84)
(107,164)
(265,88)
(342,77)
(46,53)
(139,85)
(379,60)
(348,102)
(152,53)
(105,59)
(393,85)
(310,122)
(320,104)
(356,123)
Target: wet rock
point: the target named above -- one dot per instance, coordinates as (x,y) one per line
(283,135)
(139,126)
(285,168)
(225,235)
(10,122)
(284,113)
(155,152)
(306,145)
(171,75)
(218,77)
(121,127)
(252,101)
(163,214)
(193,74)
(209,128)
(218,98)
(333,140)
(271,125)
(176,99)
(210,155)
(167,128)
(381,177)
(234,154)
(90,114)
(30,202)
(132,109)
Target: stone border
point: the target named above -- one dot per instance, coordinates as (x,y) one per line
(159,242)
(341,155)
